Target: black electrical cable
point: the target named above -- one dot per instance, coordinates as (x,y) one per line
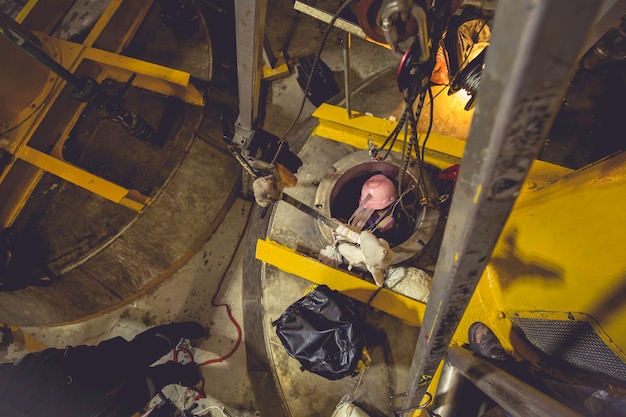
(469,78)
(471,81)
(440,91)
(406,156)
(413,119)
(310,77)
(474,39)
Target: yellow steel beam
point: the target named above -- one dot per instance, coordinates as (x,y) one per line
(84,179)
(188,94)
(28,7)
(43,16)
(137,66)
(281,69)
(289,261)
(13,203)
(153,77)
(57,150)
(360,129)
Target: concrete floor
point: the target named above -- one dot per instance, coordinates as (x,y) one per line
(259,378)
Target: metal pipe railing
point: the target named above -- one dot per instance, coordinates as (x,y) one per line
(517,397)
(449,388)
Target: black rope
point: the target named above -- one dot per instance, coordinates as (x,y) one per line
(312,72)
(393,136)
(430,122)
(374,294)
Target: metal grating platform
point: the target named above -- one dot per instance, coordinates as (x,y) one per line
(574,342)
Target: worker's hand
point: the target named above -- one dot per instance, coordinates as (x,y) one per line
(269,189)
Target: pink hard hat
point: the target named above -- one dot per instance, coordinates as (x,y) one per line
(382,190)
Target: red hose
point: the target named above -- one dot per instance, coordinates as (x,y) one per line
(228,309)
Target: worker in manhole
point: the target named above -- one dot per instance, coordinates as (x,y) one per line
(378,224)
(378,210)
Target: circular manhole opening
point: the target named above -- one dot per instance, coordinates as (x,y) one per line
(414,224)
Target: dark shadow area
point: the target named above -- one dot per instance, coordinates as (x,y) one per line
(23,260)
(514,265)
(611,303)
(219,16)
(95,143)
(589,124)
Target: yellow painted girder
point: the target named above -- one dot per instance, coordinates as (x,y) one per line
(28,7)
(84,179)
(137,66)
(281,69)
(291,262)
(187,93)
(150,76)
(360,129)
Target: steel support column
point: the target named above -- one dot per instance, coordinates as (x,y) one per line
(534,47)
(250,38)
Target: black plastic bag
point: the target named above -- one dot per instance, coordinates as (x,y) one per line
(322,86)
(23,261)
(324,332)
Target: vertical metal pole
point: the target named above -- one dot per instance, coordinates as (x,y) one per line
(347,39)
(531,57)
(448,390)
(250,38)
